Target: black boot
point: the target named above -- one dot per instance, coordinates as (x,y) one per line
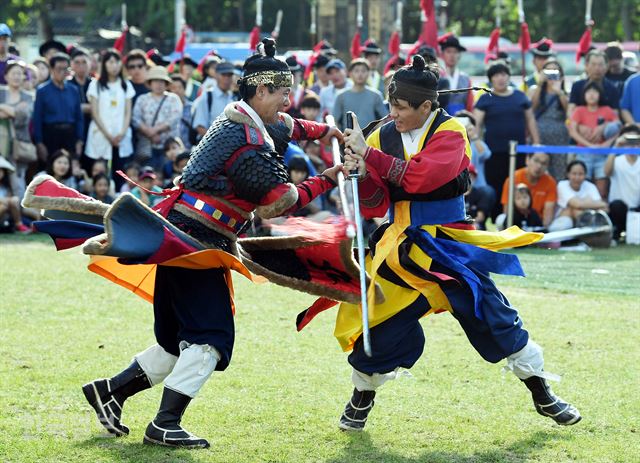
(357,410)
(107,396)
(165,429)
(549,404)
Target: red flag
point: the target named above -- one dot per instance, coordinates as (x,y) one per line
(254,38)
(390,63)
(429,33)
(492,48)
(525,39)
(394,43)
(121,41)
(171,67)
(182,41)
(355,46)
(413,51)
(584,44)
(318,46)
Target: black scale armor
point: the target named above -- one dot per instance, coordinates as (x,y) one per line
(253,174)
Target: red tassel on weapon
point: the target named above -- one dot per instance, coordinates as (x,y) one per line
(121,41)
(254,38)
(584,44)
(356,48)
(492,48)
(525,39)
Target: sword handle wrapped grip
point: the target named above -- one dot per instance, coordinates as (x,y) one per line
(354,172)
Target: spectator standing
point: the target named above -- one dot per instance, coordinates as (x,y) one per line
(136,64)
(111,99)
(594,126)
(616,72)
(364,101)
(50,48)
(16,108)
(321,78)
(192,86)
(596,65)
(5,37)
(575,196)
(549,102)
(337,72)
(178,86)
(506,115)
(451,53)
(541,185)
(44,71)
(542,53)
(630,102)
(372,53)
(209,71)
(58,122)
(81,67)
(298,91)
(624,172)
(156,116)
(213,101)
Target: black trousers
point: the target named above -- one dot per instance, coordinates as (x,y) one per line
(496,171)
(59,136)
(193,306)
(618,214)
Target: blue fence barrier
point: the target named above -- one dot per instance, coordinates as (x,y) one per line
(554,149)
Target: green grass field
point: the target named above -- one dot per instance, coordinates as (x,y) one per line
(280,399)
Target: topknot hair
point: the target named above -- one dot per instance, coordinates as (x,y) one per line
(418,63)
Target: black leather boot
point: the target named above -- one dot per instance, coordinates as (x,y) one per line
(357,410)
(549,404)
(165,428)
(107,396)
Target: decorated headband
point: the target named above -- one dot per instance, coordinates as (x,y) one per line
(274,78)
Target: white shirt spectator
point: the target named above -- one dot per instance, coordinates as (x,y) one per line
(625,182)
(111,106)
(328,97)
(203,114)
(565,193)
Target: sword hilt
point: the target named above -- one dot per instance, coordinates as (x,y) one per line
(354,174)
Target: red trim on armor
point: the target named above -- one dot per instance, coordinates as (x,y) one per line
(308,130)
(237,153)
(222,207)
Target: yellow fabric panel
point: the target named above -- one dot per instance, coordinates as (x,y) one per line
(373,139)
(349,322)
(349,318)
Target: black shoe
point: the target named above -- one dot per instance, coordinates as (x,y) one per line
(549,404)
(165,429)
(357,410)
(107,396)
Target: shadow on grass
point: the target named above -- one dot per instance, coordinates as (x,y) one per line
(361,448)
(131,450)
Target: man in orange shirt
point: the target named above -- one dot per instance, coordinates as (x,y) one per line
(541,185)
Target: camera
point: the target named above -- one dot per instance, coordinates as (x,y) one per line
(552,74)
(632,139)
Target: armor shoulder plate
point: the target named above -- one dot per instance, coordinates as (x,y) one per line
(281,135)
(204,170)
(254,173)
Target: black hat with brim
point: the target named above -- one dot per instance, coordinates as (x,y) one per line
(451,42)
(49,44)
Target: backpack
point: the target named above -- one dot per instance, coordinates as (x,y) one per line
(194,138)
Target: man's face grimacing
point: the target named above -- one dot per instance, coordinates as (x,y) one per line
(268,103)
(406,117)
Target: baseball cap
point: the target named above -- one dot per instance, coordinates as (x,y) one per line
(4,30)
(225,67)
(336,63)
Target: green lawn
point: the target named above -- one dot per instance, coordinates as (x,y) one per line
(281,397)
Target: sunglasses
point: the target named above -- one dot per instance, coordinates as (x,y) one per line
(136,66)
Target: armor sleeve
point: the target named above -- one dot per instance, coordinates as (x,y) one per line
(254,173)
(308,130)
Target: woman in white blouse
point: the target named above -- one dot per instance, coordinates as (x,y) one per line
(575,196)
(110,97)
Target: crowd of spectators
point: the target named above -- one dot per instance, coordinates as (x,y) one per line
(81,116)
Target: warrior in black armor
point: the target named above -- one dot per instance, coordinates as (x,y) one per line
(236,170)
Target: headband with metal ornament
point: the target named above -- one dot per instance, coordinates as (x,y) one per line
(283,78)
(405,91)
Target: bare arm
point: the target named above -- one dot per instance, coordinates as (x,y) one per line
(586,203)
(547,213)
(532,126)
(534,96)
(577,136)
(627,118)
(608,166)
(479,115)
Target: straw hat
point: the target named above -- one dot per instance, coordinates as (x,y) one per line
(158,73)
